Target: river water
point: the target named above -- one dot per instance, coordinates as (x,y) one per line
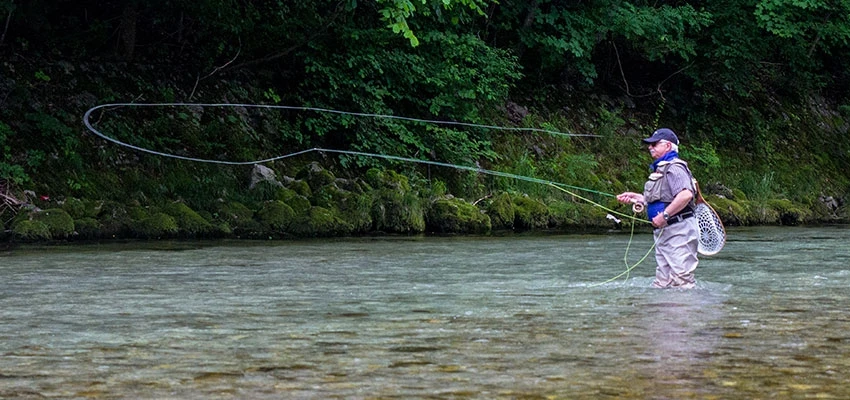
(410,318)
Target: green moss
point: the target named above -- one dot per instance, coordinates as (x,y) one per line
(570,215)
(757,213)
(31,230)
(530,213)
(789,212)
(157,225)
(59,224)
(352,208)
(276,216)
(87,228)
(301,187)
(501,211)
(731,212)
(454,215)
(188,221)
(114,219)
(78,208)
(236,218)
(396,207)
(315,176)
(320,221)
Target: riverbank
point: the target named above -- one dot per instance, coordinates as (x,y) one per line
(315,203)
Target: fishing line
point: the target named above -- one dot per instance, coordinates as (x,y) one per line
(560,186)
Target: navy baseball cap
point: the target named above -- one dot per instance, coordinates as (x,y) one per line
(662,134)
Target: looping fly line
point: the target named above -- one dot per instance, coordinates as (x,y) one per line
(88,124)
(569,189)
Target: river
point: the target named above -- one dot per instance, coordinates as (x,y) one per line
(519,317)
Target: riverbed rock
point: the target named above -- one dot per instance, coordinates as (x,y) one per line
(59,224)
(454,215)
(502,211)
(262,173)
(397,208)
(530,213)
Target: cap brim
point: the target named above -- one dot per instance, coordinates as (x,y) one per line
(651,140)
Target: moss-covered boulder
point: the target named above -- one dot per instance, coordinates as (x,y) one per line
(156,225)
(530,213)
(28,224)
(353,208)
(31,230)
(502,211)
(731,212)
(789,212)
(315,176)
(298,202)
(189,222)
(300,187)
(454,215)
(114,220)
(276,216)
(756,213)
(237,218)
(78,208)
(87,228)
(318,222)
(396,208)
(569,215)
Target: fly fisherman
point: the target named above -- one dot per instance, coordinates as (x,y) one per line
(669,199)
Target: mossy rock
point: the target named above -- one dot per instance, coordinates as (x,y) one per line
(318,222)
(351,207)
(738,194)
(397,212)
(236,218)
(28,229)
(301,187)
(138,213)
(352,185)
(571,215)
(396,208)
(315,176)
(731,212)
(276,216)
(502,211)
(265,190)
(59,224)
(157,225)
(114,219)
(299,203)
(454,215)
(387,179)
(189,222)
(789,212)
(78,208)
(87,228)
(356,210)
(530,213)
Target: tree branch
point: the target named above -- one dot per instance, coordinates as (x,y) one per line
(8,19)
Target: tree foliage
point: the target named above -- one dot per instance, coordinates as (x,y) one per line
(721,68)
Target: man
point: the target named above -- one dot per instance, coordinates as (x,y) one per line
(669,199)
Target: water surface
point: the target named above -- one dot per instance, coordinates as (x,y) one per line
(443,318)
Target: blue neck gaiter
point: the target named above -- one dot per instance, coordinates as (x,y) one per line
(666,157)
(657,207)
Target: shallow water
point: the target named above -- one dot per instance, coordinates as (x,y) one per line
(445,318)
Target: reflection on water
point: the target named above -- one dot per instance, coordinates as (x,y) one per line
(518,317)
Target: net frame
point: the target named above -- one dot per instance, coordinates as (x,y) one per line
(712,233)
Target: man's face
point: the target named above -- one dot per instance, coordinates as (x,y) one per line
(659,148)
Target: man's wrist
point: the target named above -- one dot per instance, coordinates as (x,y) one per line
(665,215)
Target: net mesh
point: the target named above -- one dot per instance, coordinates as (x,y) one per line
(712,234)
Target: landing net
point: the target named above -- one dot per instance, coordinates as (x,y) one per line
(712,234)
